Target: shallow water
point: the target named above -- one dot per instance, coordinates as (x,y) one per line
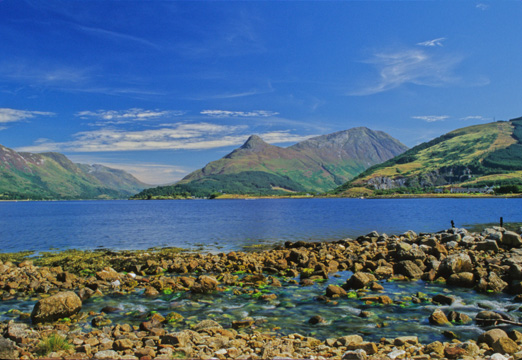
(295,305)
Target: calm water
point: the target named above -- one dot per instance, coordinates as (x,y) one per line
(231,224)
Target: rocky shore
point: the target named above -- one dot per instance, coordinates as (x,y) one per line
(60,284)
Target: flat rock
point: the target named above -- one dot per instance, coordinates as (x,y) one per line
(8,349)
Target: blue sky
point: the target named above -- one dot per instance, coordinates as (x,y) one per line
(160,88)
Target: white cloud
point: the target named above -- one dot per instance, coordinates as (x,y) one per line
(227,113)
(476,117)
(118,117)
(12,115)
(181,136)
(482,6)
(431,118)
(280,137)
(434,42)
(412,66)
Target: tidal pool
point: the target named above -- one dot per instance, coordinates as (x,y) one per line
(295,305)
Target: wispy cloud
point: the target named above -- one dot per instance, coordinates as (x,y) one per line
(8,115)
(431,118)
(227,113)
(181,136)
(476,117)
(119,117)
(412,66)
(281,137)
(116,36)
(434,42)
(43,74)
(482,6)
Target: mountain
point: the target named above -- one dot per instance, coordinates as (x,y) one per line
(314,165)
(475,156)
(53,176)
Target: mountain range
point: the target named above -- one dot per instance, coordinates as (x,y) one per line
(50,176)
(318,164)
(476,156)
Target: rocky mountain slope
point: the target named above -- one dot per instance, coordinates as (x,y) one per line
(314,165)
(49,176)
(475,156)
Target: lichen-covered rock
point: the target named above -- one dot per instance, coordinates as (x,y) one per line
(455,264)
(437,317)
(491,336)
(56,307)
(409,268)
(8,349)
(505,345)
(359,280)
(205,284)
(511,239)
(463,279)
(107,355)
(108,274)
(335,291)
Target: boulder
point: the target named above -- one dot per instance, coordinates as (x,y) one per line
(8,349)
(495,283)
(455,264)
(438,318)
(487,318)
(359,280)
(487,245)
(58,306)
(459,318)
(511,239)
(409,268)
(205,284)
(412,254)
(20,332)
(350,339)
(505,345)
(443,299)
(316,319)
(463,279)
(435,347)
(123,344)
(491,336)
(335,291)
(206,324)
(108,274)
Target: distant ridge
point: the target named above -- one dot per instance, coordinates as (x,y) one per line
(318,164)
(473,157)
(52,176)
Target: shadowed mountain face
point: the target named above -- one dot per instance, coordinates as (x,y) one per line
(317,164)
(475,156)
(53,176)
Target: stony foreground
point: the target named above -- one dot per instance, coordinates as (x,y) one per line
(488,262)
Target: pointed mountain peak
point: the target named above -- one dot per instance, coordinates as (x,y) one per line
(254,142)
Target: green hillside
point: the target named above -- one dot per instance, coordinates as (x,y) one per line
(243,183)
(475,156)
(318,164)
(51,176)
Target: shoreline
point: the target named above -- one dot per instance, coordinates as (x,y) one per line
(488,262)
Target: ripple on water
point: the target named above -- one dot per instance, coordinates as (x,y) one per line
(295,305)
